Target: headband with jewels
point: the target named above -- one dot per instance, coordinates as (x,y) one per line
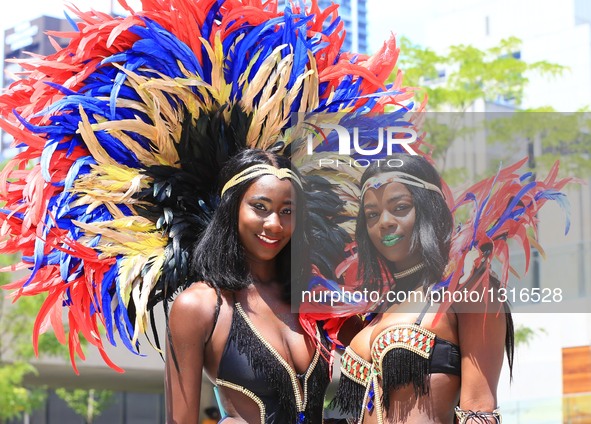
(258,171)
(398,177)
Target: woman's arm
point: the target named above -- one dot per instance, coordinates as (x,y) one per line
(482,345)
(191,321)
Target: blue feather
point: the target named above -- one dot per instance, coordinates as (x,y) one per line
(562,201)
(106,293)
(37,260)
(46,156)
(71,21)
(507,212)
(80,167)
(124,325)
(525,176)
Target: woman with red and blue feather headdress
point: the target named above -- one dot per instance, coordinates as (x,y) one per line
(122,136)
(432,346)
(420,274)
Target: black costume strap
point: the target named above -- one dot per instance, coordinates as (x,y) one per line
(422,314)
(216,313)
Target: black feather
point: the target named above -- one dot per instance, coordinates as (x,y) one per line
(328,240)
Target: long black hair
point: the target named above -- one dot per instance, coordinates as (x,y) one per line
(432,234)
(432,230)
(219,257)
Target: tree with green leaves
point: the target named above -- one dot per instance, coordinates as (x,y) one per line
(524,335)
(471,74)
(16,323)
(549,136)
(456,80)
(89,404)
(16,352)
(15,398)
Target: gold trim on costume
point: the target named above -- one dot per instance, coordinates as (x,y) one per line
(377,396)
(300,401)
(246,392)
(406,336)
(355,367)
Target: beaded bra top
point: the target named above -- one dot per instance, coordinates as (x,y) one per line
(401,354)
(253,367)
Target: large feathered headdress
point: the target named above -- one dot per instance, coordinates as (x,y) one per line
(121,135)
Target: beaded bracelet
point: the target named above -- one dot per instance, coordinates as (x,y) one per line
(478,416)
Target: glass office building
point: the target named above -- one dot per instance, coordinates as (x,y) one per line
(354,15)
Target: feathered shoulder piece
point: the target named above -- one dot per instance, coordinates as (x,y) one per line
(121,135)
(501,208)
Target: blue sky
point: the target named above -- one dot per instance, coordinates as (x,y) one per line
(30,9)
(403,18)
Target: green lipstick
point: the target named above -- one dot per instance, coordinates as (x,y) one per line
(391,239)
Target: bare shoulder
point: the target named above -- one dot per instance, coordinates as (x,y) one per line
(193,310)
(199,297)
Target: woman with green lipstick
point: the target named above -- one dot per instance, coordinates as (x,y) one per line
(413,363)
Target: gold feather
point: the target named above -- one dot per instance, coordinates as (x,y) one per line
(115,183)
(260,79)
(96,150)
(141,294)
(218,80)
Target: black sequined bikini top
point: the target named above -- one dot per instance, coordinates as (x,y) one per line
(250,365)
